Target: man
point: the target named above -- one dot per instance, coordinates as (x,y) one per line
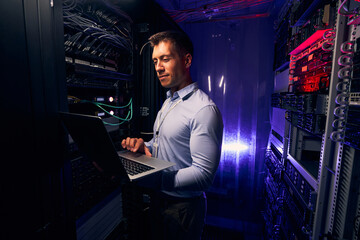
(187,131)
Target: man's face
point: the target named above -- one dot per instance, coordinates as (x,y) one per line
(170,67)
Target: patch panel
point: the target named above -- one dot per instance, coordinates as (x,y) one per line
(298,220)
(298,182)
(303,103)
(312,123)
(354,98)
(273,196)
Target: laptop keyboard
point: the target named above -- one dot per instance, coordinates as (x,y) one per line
(132,168)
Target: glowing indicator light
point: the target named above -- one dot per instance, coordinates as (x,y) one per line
(111,99)
(209,82)
(221,81)
(112,112)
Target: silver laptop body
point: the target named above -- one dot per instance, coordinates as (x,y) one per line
(93,140)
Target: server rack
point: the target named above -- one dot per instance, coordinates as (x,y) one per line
(316,147)
(109,68)
(98,46)
(49,190)
(32,140)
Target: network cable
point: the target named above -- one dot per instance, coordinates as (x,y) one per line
(102,105)
(126,119)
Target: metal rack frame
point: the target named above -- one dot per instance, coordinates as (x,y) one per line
(329,149)
(338,170)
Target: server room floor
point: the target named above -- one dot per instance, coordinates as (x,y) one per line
(209,233)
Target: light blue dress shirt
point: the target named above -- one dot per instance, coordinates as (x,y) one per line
(190,136)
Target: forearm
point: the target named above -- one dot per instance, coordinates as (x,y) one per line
(191,179)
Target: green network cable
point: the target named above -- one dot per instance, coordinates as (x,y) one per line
(123,119)
(119,123)
(127,119)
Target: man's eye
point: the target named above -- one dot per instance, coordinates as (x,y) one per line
(166,59)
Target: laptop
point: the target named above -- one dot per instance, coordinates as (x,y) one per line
(93,140)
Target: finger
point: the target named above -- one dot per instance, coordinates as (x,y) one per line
(139,144)
(147,151)
(123,143)
(132,143)
(128,143)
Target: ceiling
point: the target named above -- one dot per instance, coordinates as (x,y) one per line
(195,11)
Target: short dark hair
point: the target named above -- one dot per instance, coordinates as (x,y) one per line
(181,41)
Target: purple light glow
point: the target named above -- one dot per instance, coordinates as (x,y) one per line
(233,143)
(234,146)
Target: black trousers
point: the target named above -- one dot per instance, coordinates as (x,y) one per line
(173,218)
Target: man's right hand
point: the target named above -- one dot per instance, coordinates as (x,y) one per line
(135,145)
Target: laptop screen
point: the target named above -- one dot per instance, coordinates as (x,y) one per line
(93,140)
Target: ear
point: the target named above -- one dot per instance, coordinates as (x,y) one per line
(188,60)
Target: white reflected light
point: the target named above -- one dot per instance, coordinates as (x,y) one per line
(209,82)
(221,81)
(224,87)
(234,146)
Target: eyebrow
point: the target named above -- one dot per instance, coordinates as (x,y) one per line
(163,56)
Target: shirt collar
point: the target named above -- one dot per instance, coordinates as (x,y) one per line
(182,93)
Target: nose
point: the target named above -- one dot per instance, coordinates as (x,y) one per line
(159,67)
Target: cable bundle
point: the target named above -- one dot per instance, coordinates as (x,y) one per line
(126,119)
(103,107)
(211,10)
(97,35)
